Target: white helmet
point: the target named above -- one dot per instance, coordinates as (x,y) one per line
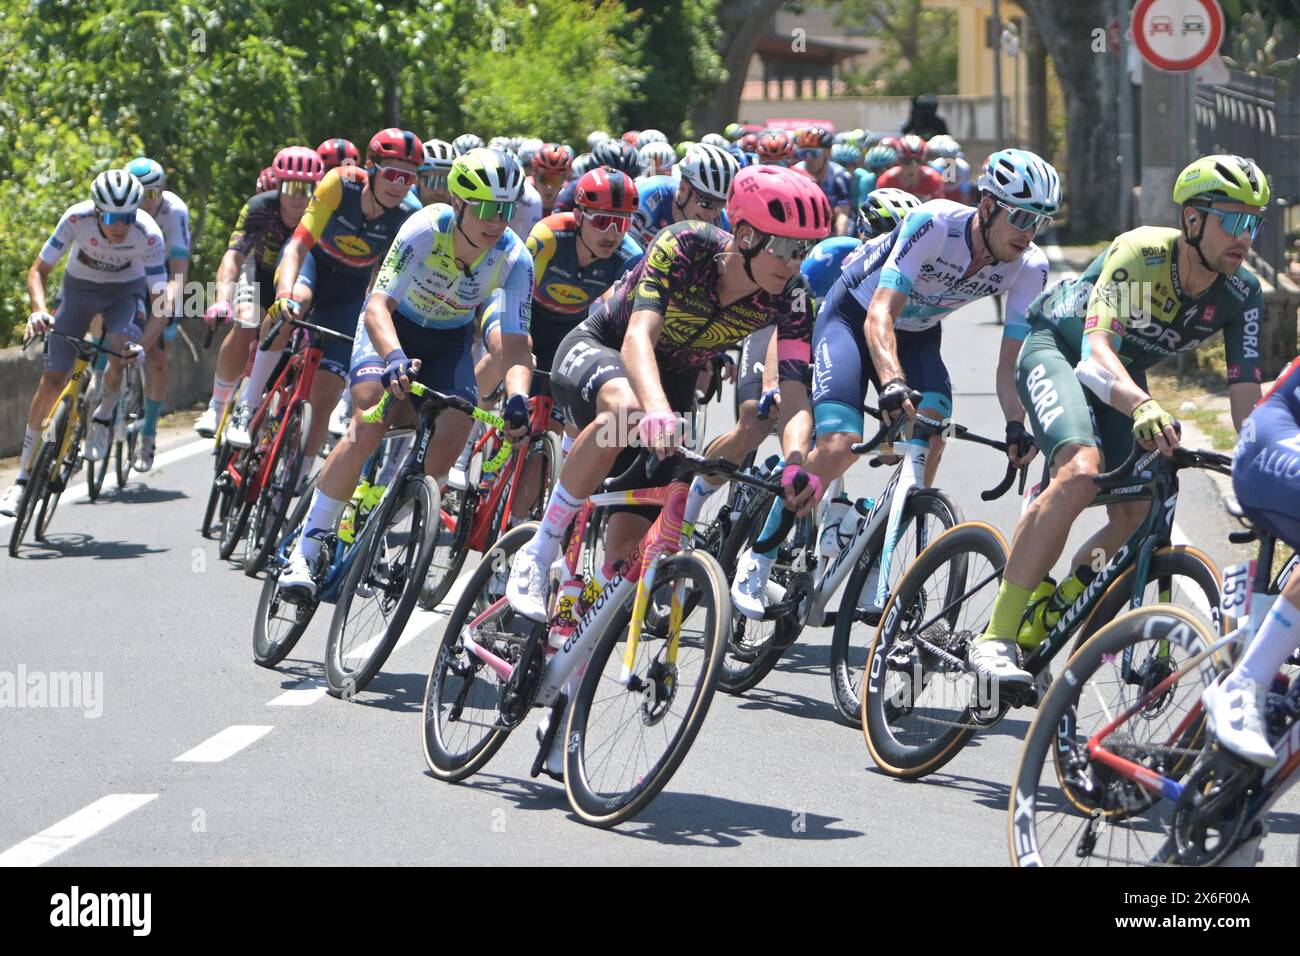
(438,156)
(647,136)
(116,191)
(715,139)
(1021,179)
(596,136)
(656,155)
(709,170)
(943,146)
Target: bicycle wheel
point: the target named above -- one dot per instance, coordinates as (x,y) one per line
(383,581)
(238,508)
(927,514)
(281,486)
(279,624)
(97,471)
(218,494)
(130,409)
(1067,807)
(60,474)
(919,693)
(544,457)
(38,476)
(463,728)
(625,739)
(452,526)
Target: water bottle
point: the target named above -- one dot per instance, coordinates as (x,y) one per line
(836,510)
(849,522)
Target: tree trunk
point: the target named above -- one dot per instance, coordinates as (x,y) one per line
(1036,91)
(744,23)
(1092,111)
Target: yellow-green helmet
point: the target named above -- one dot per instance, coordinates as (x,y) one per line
(1225,178)
(486,175)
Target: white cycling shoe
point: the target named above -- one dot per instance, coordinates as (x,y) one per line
(98,439)
(236,434)
(526,589)
(1235,709)
(553,767)
(752,592)
(206,424)
(9,503)
(296,583)
(998,660)
(144,451)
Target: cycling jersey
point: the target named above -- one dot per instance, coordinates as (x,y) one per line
(1266,464)
(956,185)
(92,258)
(563,291)
(928,186)
(863,182)
(678,278)
(656,202)
(528,211)
(1132,290)
(412,200)
(926,258)
(338,233)
(421,274)
(259,231)
(173,218)
(822,267)
(835,182)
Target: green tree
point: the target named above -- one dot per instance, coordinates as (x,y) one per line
(920,45)
(685,68)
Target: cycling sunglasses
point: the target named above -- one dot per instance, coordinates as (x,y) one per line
(1235,223)
(152,193)
(550,179)
(1026,221)
(489,210)
(117,218)
(434,180)
(297,187)
(791,250)
(605,220)
(400,177)
(809,153)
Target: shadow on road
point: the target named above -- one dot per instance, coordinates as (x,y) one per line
(763,698)
(84,546)
(679,819)
(137,494)
(985,792)
(402,693)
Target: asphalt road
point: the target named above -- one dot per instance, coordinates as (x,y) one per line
(181,751)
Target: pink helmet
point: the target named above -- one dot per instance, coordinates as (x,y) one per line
(298,164)
(266,180)
(780,202)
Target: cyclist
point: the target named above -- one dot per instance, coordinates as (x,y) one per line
(881,322)
(438,157)
(948,160)
(911,173)
(636,354)
(1264,471)
(775,148)
(335,152)
(878,159)
(811,147)
(173,218)
(418,325)
(700,192)
(114,250)
(350,222)
(613,154)
(882,211)
(657,159)
(1153,293)
(246,275)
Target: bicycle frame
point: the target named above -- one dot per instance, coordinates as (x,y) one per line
(540,407)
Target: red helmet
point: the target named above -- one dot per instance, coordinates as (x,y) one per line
(779,202)
(749,142)
(298,164)
(334,152)
(552,158)
(815,137)
(266,180)
(910,146)
(775,147)
(631,135)
(394,143)
(606,190)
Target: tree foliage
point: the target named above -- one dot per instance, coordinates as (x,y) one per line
(920,45)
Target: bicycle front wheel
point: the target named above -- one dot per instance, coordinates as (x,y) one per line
(451,530)
(279,624)
(60,473)
(626,738)
(130,410)
(380,589)
(1068,808)
(42,467)
(280,488)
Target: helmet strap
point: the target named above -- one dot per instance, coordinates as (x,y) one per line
(986,223)
(590,251)
(747,255)
(1195,242)
(460,215)
(680,204)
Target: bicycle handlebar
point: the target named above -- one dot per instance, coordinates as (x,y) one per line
(85,347)
(440,401)
(1140,459)
(281,321)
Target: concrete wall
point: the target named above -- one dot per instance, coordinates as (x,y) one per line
(191,381)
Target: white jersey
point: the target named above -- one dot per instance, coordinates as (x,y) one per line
(528,212)
(93,258)
(926,259)
(173,218)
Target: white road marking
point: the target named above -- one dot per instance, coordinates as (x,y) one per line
(70,831)
(300,694)
(172,455)
(225,744)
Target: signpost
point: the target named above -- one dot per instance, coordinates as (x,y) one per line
(1177,35)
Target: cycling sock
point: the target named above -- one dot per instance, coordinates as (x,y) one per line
(770,526)
(149,424)
(1008,609)
(700,492)
(221,390)
(29,444)
(107,402)
(396,455)
(1277,638)
(559,513)
(263,364)
(566,442)
(322,513)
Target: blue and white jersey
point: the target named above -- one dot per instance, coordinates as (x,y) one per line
(173,218)
(822,267)
(926,259)
(92,257)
